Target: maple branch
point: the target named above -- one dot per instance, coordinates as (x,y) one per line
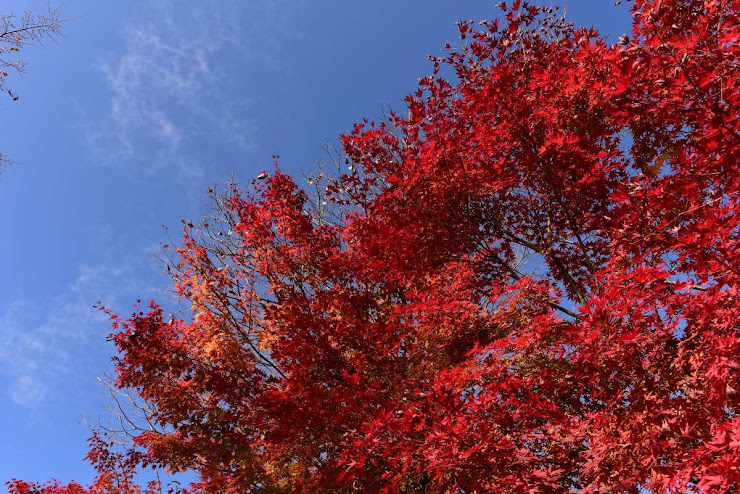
(246,337)
(558,264)
(569,278)
(516,276)
(576,231)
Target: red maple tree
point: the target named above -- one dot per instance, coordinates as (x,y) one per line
(527,283)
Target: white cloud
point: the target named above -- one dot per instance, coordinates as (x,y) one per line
(27,391)
(41,351)
(172,88)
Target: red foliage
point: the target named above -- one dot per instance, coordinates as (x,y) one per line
(527,284)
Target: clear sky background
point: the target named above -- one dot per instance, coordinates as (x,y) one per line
(123,124)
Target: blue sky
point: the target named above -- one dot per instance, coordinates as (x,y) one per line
(121,127)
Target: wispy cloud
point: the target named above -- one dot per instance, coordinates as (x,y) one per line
(172,88)
(27,391)
(42,348)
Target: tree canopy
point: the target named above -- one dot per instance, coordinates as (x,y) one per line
(527,281)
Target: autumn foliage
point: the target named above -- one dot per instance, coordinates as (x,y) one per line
(526,282)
